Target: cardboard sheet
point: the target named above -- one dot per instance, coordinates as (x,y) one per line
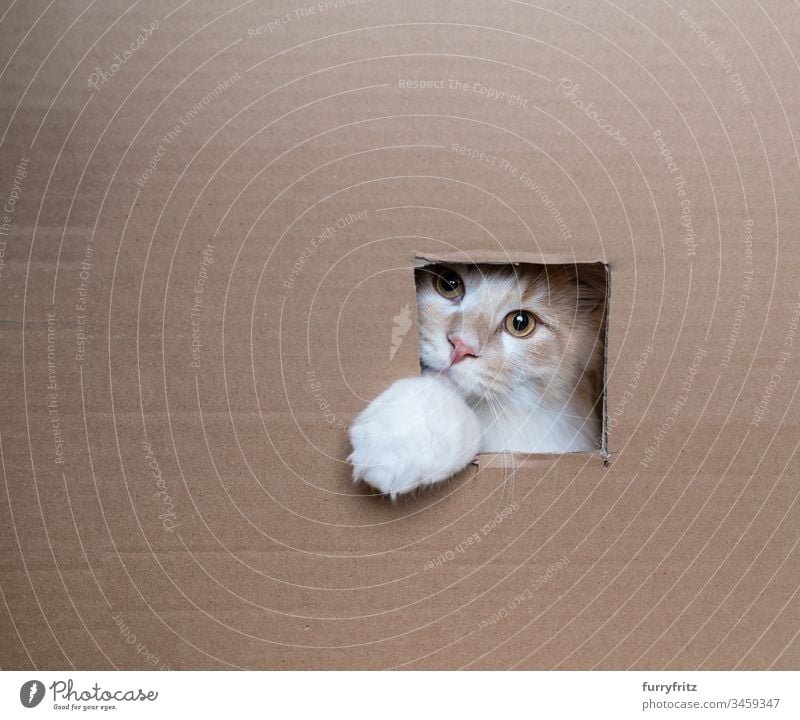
(211,212)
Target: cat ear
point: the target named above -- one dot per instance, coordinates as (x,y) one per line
(592,283)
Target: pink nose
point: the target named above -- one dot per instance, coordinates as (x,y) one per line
(460,349)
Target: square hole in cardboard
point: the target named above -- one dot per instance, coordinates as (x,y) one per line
(525,344)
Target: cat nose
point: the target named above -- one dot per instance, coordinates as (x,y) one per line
(460,349)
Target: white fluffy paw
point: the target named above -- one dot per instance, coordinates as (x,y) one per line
(417,432)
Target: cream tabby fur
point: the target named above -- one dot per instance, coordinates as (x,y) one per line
(512,360)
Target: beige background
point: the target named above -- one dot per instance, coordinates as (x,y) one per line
(164,508)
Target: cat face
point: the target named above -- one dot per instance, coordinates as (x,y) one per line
(502,331)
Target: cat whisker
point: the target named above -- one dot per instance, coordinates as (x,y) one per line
(508,478)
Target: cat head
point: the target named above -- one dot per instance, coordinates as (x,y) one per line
(499,331)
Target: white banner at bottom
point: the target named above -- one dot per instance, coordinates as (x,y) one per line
(401,695)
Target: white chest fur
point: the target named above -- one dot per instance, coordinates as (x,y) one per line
(530,425)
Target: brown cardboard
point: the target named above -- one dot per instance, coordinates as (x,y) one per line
(285,161)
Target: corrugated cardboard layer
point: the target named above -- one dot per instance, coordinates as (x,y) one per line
(211,215)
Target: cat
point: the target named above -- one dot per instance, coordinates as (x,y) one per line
(511,360)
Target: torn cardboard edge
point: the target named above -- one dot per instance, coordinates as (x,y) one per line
(487,257)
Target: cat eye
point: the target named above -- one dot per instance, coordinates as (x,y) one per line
(519,323)
(448,284)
